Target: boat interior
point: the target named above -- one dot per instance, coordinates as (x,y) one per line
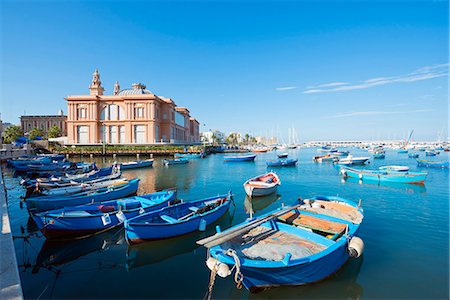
(298,233)
(177,213)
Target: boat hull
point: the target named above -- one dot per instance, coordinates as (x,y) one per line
(140,232)
(50,203)
(56,226)
(140,164)
(259,192)
(397,177)
(256,279)
(239,158)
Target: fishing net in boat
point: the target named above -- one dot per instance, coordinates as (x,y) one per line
(266,244)
(336,210)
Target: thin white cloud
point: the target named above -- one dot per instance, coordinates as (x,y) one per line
(377,113)
(331,84)
(423,73)
(285,88)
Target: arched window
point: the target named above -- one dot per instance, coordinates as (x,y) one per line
(104,113)
(113,113)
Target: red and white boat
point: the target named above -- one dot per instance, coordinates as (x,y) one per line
(262,185)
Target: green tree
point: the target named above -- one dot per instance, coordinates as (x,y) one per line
(35,132)
(54,132)
(11,134)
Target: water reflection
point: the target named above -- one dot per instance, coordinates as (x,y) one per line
(157,251)
(55,252)
(254,205)
(409,188)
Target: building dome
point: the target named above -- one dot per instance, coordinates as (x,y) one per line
(136,89)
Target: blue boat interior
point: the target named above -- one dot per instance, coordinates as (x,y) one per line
(181,212)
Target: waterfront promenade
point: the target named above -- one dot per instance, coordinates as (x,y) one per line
(10,284)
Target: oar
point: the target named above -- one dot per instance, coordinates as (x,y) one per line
(222,237)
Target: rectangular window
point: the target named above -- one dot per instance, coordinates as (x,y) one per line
(121,134)
(157,133)
(82,113)
(113,134)
(139,134)
(138,112)
(103,134)
(83,134)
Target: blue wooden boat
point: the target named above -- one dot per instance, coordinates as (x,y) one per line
(189,155)
(297,245)
(55,167)
(400,151)
(66,179)
(87,219)
(379,155)
(283,155)
(430,153)
(413,155)
(45,203)
(433,164)
(136,164)
(239,158)
(384,176)
(176,220)
(281,162)
(176,161)
(340,153)
(394,168)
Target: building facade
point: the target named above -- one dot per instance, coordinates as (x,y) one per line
(212,136)
(129,116)
(44,122)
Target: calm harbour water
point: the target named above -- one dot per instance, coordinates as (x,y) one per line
(405,230)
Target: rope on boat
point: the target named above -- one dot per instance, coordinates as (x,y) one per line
(238,277)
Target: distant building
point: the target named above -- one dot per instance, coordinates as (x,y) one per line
(129,116)
(44,122)
(207,137)
(266,141)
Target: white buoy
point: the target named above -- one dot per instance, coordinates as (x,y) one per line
(220,268)
(355,247)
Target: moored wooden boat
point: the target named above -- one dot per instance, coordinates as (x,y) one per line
(351,160)
(176,220)
(325,158)
(432,164)
(378,155)
(297,245)
(239,158)
(282,163)
(394,168)
(97,217)
(384,176)
(189,155)
(136,164)
(176,161)
(262,185)
(430,153)
(283,155)
(104,194)
(413,155)
(77,188)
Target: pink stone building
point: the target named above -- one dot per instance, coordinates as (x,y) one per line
(129,116)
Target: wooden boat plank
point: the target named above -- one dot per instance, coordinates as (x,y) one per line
(315,223)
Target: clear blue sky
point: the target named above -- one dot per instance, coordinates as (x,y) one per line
(334,70)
